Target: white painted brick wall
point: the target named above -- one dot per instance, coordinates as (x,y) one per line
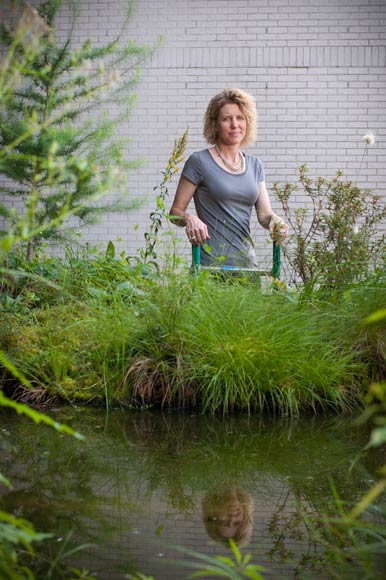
(317,69)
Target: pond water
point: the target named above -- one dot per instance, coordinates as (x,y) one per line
(143,481)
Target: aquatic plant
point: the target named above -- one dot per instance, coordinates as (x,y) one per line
(237,568)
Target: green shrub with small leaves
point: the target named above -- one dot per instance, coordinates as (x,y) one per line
(336,239)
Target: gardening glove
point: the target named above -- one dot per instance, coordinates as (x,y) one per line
(278,229)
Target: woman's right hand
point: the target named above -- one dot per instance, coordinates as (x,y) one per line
(196,230)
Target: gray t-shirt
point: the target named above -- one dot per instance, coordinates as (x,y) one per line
(224,202)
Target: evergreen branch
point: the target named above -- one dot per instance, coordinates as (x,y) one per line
(139,62)
(34,97)
(93,53)
(19,156)
(76,82)
(13,238)
(49,9)
(129,12)
(11,191)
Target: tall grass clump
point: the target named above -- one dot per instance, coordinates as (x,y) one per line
(228,346)
(108,332)
(264,352)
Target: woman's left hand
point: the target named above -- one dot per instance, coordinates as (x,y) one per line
(278,229)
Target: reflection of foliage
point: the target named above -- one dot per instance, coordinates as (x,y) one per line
(284,523)
(339,545)
(353,545)
(289,524)
(131,457)
(55,484)
(180,455)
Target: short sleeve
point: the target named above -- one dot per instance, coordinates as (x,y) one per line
(192,169)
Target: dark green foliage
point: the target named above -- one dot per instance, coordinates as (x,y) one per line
(16,534)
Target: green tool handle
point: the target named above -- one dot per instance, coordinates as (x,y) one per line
(196,258)
(276,260)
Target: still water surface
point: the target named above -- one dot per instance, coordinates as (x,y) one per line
(143,481)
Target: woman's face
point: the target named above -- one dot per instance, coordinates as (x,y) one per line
(230,519)
(231,125)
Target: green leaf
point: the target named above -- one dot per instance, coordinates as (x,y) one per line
(378,436)
(110,251)
(235,550)
(254,574)
(226,560)
(160,203)
(22,409)
(38,417)
(377,318)
(5,481)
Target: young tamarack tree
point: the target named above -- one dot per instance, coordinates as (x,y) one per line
(60,152)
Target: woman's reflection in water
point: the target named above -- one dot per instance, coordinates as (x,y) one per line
(227,514)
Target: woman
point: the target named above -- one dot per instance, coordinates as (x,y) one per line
(226,184)
(227,514)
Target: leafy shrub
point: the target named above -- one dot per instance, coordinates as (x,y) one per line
(335,240)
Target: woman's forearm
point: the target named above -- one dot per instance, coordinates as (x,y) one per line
(178,216)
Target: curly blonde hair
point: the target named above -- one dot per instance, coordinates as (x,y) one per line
(216,503)
(247,107)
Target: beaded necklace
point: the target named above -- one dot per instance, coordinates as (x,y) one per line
(237,167)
